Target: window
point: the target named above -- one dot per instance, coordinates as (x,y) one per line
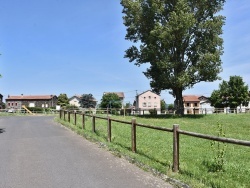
(149,97)
(16,103)
(155,104)
(155,97)
(31,104)
(149,104)
(188,104)
(195,104)
(144,104)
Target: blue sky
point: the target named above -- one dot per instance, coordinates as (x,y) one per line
(77,47)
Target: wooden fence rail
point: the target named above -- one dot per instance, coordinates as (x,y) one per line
(175,130)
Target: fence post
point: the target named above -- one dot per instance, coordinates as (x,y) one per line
(68,116)
(109,128)
(133,135)
(60,114)
(93,123)
(83,120)
(175,148)
(75,118)
(64,115)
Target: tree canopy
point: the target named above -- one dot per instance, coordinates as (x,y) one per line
(63,100)
(179,39)
(111,100)
(231,94)
(87,101)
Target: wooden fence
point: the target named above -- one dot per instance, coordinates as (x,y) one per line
(175,131)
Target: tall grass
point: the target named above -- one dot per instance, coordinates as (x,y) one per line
(154,148)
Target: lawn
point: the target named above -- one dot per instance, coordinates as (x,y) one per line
(197,156)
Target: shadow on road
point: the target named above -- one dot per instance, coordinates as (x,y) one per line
(2,130)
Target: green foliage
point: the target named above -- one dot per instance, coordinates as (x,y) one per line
(127,111)
(40,109)
(63,100)
(231,94)
(87,101)
(153,112)
(163,105)
(36,109)
(170,106)
(219,150)
(181,40)
(110,100)
(71,107)
(127,105)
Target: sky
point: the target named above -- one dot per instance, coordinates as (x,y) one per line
(77,47)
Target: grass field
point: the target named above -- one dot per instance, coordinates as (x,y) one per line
(197,156)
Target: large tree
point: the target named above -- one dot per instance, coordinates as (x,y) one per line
(180,39)
(63,100)
(231,94)
(111,100)
(87,101)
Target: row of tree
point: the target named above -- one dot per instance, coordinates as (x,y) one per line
(232,93)
(110,100)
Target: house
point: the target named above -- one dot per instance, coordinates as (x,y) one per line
(194,104)
(191,104)
(76,100)
(147,101)
(205,105)
(1,101)
(43,101)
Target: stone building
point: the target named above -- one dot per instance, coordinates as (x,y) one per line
(43,101)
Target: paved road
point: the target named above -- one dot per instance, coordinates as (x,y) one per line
(36,152)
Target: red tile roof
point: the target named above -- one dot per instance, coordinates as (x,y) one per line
(191,98)
(30,97)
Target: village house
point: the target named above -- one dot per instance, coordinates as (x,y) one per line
(205,105)
(191,104)
(147,101)
(43,101)
(76,100)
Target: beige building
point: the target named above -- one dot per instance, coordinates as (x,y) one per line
(146,101)
(191,104)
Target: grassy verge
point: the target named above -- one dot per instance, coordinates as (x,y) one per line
(197,156)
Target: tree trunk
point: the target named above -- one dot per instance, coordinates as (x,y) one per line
(179,102)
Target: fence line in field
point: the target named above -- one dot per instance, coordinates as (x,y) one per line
(175,130)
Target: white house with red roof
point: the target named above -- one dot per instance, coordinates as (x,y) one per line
(194,104)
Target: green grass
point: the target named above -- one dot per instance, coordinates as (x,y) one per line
(154,148)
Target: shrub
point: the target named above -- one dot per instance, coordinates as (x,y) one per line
(153,112)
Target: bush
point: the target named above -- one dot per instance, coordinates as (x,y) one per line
(71,107)
(153,112)
(127,111)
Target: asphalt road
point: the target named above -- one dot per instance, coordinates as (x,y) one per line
(36,152)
